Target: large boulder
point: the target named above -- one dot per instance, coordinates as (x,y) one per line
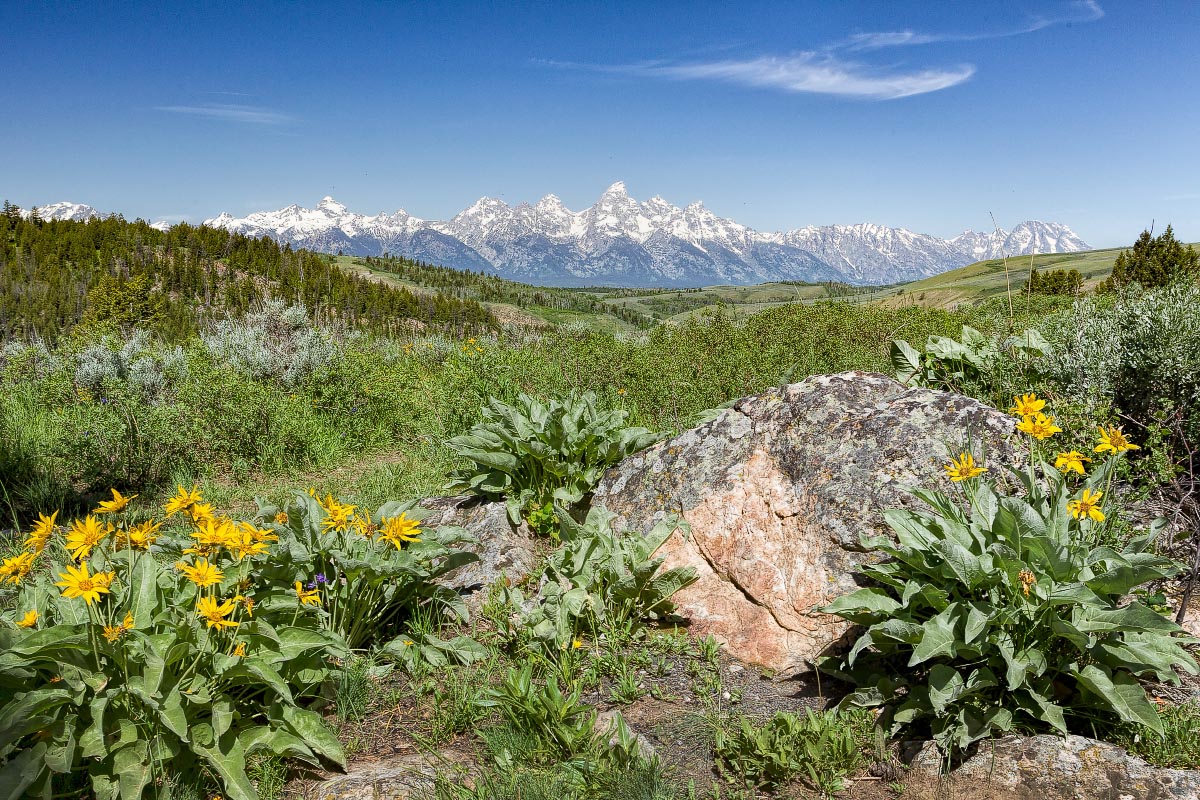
(779,489)
(1054,768)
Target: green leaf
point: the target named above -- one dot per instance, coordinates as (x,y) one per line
(1121,692)
(309,726)
(937,638)
(862,603)
(21,771)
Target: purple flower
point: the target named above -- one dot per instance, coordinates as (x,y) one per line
(320,577)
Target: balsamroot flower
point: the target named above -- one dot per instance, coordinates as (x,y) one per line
(40,535)
(118,503)
(14,569)
(1087,506)
(1039,426)
(1027,405)
(140,536)
(202,573)
(1112,440)
(29,620)
(1071,462)
(85,535)
(76,582)
(310,597)
(399,530)
(963,467)
(214,614)
(183,500)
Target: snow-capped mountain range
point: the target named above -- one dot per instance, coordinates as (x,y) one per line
(76,212)
(622,242)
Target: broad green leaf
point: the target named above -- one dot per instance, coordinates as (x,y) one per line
(1123,694)
(937,638)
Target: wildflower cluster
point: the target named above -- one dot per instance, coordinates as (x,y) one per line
(991,612)
(109,630)
(1039,427)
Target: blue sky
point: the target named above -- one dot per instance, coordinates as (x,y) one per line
(924,115)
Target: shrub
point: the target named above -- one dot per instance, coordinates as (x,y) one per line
(277,342)
(1055,282)
(532,453)
(367,574)
(1008,615)
(137,671)
(1141,350)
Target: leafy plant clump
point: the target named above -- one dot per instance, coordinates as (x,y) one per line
(970,365)
(119,670)
(823,748)
(368,573)
(535,454)
(1008,615)
(598,580)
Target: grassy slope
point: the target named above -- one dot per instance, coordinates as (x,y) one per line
(948,290)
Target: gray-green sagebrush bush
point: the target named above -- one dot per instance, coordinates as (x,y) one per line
(1141,349)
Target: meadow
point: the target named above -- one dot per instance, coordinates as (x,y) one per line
(214,578)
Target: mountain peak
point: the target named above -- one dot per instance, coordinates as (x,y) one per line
(330,205)
(617,189)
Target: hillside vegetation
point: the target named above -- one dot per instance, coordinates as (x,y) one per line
(215,574)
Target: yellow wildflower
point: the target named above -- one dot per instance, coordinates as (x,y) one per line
(1087,506)
(211,535)
(963,467)
(83,536)
(1039,426)
(30,618)
(140,536)
(118,503)
(183,500)
(240,649)
(576,644)
(1112,440)
(1027,405)
(1071,462)
(247,603)
(127,623)
(281,518)
(214,614)
(40,535)
(309,597)
(201,513)
(76,582)
(17,567)
(337,515)
(1027,579)
(202,573)
(399,530)
(113,632)
(245,543)
(363,525)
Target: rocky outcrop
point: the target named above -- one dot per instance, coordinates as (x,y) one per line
(504,551)
(1056,768)
(779,489)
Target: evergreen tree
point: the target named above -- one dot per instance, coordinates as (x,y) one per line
(1154,261)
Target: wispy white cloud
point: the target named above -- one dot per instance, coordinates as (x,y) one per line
(1080,11)
(831,70)
(251,115)
(806,72)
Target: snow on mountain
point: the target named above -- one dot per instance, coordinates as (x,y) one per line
(620,241)
(59,212)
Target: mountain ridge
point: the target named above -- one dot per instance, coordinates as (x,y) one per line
(619,241)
